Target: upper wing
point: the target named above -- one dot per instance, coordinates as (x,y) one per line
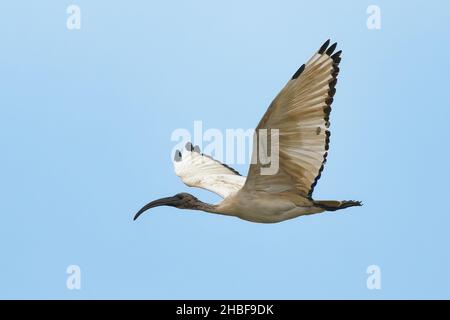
(301,114)
(198,170)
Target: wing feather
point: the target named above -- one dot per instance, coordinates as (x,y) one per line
(198,170)
(300,112)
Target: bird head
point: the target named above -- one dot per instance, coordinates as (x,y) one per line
(180,200)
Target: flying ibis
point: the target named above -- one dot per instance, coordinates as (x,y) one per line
(300,113)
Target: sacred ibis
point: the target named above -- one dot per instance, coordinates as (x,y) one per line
(300,113)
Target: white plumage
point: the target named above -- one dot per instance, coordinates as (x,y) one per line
(198,170)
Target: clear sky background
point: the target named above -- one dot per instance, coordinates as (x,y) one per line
(85,123)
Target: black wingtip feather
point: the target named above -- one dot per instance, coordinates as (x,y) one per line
(331,49)
(298,72)
(177,156)
(324,46)
(336,55)
(189,146)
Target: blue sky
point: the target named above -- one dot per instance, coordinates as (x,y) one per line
(85,123)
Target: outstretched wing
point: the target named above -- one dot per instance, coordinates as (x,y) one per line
(301,114)
(198,170)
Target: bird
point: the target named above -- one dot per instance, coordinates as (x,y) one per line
(301,115)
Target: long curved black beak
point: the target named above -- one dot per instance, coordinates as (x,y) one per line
(169,201)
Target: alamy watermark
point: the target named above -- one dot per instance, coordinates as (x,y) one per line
(235,146)
(374,19)
(73,281)
(374,279)
(73,21)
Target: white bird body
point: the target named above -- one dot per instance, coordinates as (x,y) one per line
(300,116)
(265,207)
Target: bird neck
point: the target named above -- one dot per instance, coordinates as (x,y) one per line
(203,206)
(207,207)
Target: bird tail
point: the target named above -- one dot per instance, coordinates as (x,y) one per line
(331,205)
